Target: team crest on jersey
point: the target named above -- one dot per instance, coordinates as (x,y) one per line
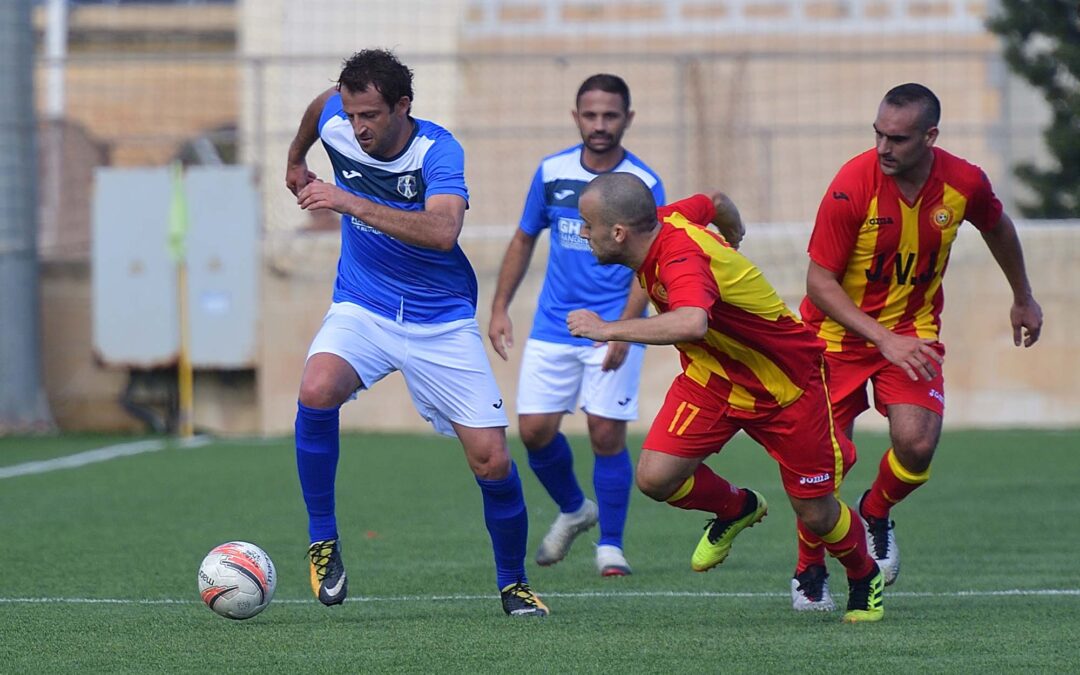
(942,216)
(406,186)
(659,292)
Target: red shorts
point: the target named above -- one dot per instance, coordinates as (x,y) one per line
(849,371)
(813,453)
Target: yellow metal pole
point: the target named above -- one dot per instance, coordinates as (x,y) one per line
(185,380)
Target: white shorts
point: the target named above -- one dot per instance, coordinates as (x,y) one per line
(444,364)
(558,377)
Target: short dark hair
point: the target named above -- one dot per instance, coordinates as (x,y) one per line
(624,198)
(612,84)
(378,68)
(906,94)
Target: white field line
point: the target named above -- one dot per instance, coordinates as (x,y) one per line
(1017,592)
(99,455)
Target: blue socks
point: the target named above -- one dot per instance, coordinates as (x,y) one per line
(613,477)
(317,449)
(508,524)
(553,465)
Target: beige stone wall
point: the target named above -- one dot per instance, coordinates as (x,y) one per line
(989,382)
(768,118)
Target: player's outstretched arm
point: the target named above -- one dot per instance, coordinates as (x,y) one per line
(914,355)
(685,324)
(511,272)
(297,174)
(636,301)
(727,219)
(1026,314)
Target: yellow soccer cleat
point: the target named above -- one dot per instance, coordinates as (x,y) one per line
(864,598)
(715,544)
(519,600)
(328,580)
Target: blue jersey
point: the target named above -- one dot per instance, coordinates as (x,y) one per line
(376,271)
(574,279)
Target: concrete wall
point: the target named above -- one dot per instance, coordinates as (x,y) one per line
(989,382)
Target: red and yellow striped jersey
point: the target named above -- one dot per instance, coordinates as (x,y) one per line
(757,355)
(891,255)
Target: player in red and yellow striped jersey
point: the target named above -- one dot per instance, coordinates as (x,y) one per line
(748,363)
(878,254)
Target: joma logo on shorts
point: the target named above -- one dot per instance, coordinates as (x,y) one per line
(814,480)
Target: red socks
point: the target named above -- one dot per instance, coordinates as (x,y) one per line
(706,491)
(892,484)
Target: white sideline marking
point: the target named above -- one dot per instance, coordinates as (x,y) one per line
(1016,592)
(99,455)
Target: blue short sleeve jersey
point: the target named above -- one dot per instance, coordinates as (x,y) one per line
(574,279)
(376,271)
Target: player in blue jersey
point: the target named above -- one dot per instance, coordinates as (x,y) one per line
(404,299)
(559,371)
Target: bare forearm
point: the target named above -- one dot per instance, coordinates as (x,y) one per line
(308,131)
(727,219)
(686,324)
(427,229)
(515,262)
(1004,245)
(825,292)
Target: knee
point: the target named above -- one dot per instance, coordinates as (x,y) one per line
(817,522)
(653,488)
(489,463)
(318,393)
(534,439)
(609,438)
(915,454)
(535,434)
(492,469)
(819,515)
(321,388)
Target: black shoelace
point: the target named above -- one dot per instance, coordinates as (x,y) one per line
(717,527)
(879,532)
(812,583)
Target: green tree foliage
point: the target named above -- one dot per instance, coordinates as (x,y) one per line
(1042,45)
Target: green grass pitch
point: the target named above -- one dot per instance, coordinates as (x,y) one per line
(98,567)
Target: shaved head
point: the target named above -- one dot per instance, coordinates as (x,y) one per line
(622,198)
(916,94)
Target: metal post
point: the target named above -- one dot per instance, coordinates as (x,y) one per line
(52,137)
(23,406)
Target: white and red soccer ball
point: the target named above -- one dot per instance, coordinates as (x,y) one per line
(237,580)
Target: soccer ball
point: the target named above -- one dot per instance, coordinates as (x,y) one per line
(237,580)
